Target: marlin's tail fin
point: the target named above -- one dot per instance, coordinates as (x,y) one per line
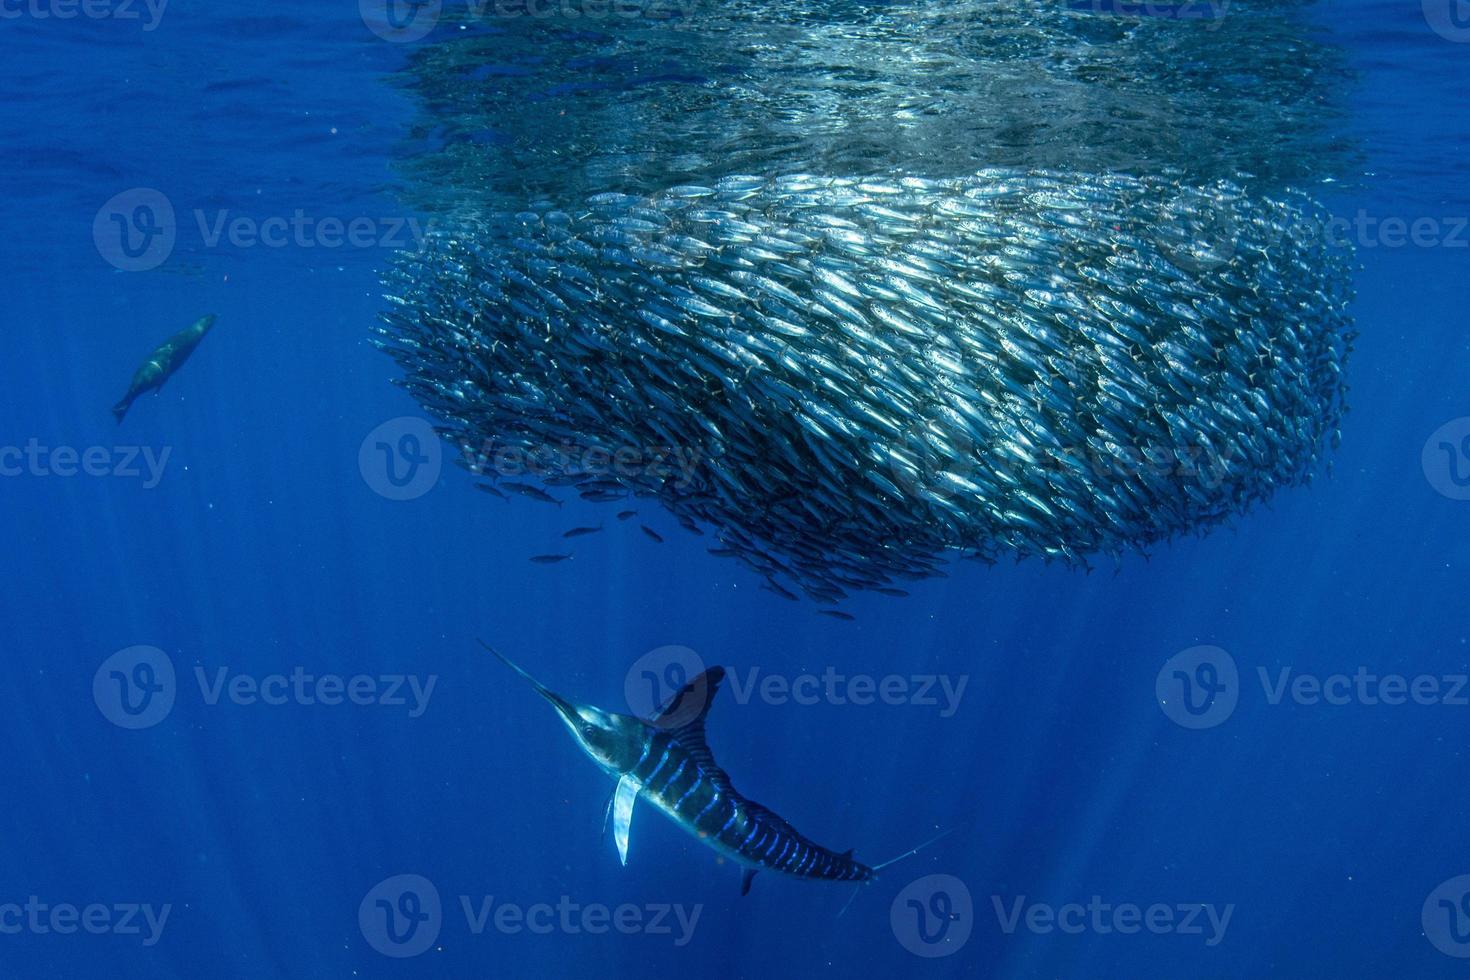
(120,410)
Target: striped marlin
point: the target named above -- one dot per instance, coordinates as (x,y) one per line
(667,762)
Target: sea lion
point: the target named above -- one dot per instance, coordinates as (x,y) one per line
(163,362)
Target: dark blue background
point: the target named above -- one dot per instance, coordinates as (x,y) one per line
(264,549)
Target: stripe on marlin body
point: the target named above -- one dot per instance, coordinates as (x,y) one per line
(668,762)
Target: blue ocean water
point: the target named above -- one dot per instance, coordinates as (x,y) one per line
(241,524)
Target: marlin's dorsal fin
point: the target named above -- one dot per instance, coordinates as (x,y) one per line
(684,718)
(687,710)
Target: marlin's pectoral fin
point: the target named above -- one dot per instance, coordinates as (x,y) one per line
(746,877)
(607,812)
(622,812)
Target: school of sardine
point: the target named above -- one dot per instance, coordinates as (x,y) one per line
(847,380)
